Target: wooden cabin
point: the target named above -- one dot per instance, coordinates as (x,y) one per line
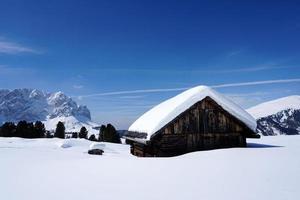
(203,125)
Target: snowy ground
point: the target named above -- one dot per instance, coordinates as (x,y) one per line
(43,169)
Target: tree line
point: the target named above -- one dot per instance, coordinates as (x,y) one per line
(25,129)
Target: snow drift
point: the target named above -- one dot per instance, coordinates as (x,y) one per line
(35,169)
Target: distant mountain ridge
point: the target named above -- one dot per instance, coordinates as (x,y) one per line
(278,117)
(32,105)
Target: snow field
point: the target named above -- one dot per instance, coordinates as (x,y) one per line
(42,169)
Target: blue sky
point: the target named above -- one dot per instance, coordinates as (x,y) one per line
(101,52)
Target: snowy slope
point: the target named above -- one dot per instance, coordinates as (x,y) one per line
(274,106)
(47,169)
(278,117)
(72,124)
(160,115)
(33,105)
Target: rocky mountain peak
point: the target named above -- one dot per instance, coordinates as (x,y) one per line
(278,117)
(32,105)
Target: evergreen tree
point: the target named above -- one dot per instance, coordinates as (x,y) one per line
(21,130)
(8,129)
(83,133)
(112,134)
(92,138)
(39,129)
(74,135)
(60,130)
(101,133)
(109,134)
(30,131)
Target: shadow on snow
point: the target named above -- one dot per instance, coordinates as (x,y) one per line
(257,145)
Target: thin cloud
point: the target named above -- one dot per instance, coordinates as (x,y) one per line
(253,98)
(257,83)
(251,94)
(185,88)
(77,86)
(8,47)
(252,69)
(132,97)
(8,70)
(133,92)
(234,53)
(263,67)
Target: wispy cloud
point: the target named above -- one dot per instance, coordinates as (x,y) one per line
(8,70)
(249,99)
(9,47)
(257,83)
(132,97)
(252,69)
(250,94)
(234,53)
(208,70)
(265,82)
(133,92)
(77,86)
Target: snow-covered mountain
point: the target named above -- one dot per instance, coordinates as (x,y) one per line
(33,105)
(278,117)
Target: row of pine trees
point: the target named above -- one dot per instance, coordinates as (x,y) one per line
(25,129)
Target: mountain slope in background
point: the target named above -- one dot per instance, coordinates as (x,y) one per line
(278,117)
(33,105)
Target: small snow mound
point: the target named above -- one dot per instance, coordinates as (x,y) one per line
(64,144)
(97,146)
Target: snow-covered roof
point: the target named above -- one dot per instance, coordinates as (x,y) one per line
(165,112)
(272,107)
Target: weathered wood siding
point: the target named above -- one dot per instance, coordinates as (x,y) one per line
(205,125)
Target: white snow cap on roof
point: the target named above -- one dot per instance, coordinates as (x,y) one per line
(165,112)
